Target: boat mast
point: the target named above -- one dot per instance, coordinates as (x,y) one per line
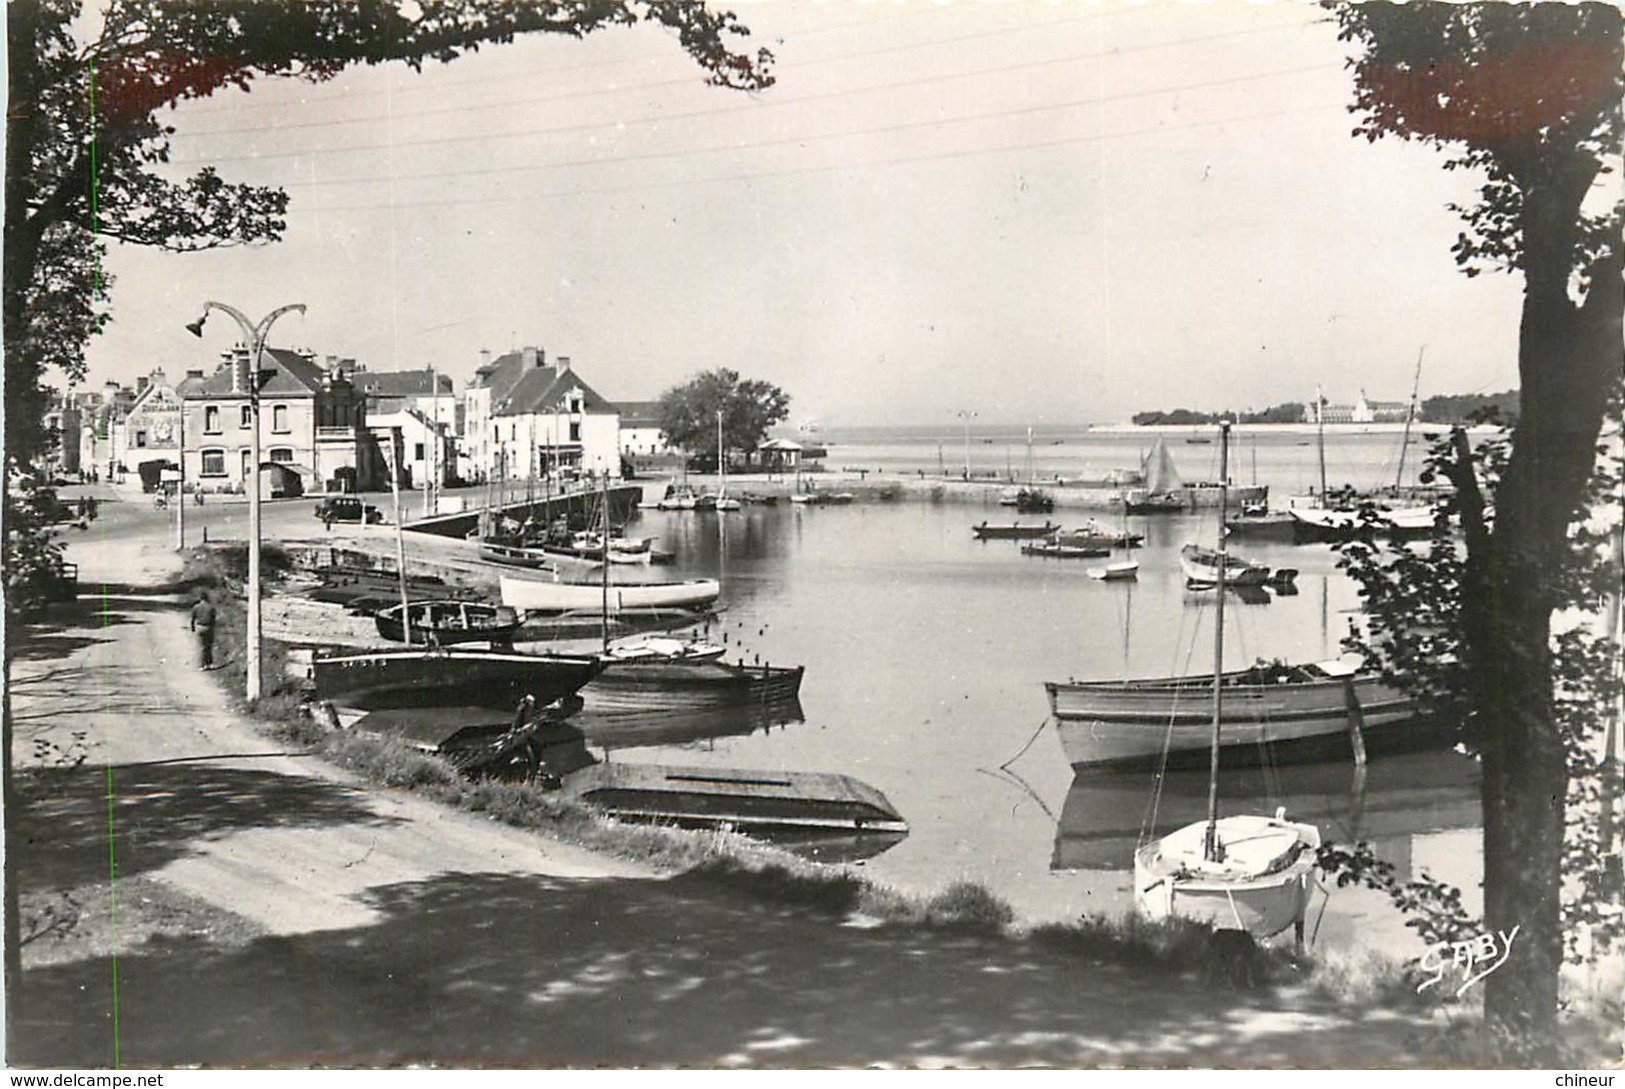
(1212,849)
(1410,414)
(1320,439)
(722,465)
(603,563)
(400,542)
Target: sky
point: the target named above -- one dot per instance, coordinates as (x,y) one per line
(1040,212)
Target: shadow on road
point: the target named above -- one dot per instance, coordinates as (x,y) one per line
(496,970)
(154,813)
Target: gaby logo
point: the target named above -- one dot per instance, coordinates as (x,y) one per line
(1469,955)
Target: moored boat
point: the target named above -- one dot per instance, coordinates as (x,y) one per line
(1242,872)
(518,555)
(556,597)
(1272,711)
(662,684)
(447,677)
(666,648)
(443,623)
(1119,570)
(1258,879)
(1058,550)
(1327,524)
(1202,566)
(1013,531)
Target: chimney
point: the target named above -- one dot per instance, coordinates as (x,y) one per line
(158,376)
(141,382)
(533,357)
(562,364)
(485,357)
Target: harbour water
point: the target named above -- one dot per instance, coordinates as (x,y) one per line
(926,652)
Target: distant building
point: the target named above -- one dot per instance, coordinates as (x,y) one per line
(1363,410)
(640,429)
(525,418)
(1368,411)
(312,423)
(1332,414)
(151,428)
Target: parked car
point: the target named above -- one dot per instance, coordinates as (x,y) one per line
(347,508)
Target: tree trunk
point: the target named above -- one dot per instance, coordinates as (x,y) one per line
(1568,356)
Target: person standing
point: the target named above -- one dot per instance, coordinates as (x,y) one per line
(203,623)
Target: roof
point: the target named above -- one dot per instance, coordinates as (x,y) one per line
(399,383)
(781,444)
(639,413)
(293,375)
(540,389)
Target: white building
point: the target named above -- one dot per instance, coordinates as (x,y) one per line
(640,430)
(524,418)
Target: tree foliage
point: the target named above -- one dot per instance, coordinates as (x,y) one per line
(1528,97)
(749,407)
(1414,634)
(87,141)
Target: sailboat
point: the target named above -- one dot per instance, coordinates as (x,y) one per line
(1244,872)
(1326,520)
(1161,481)
(723,502)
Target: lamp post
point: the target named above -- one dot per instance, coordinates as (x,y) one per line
(254,339)
(967,416)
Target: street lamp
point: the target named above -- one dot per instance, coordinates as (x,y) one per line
(967,415)
(254,339)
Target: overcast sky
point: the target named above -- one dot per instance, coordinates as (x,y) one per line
(1046,213)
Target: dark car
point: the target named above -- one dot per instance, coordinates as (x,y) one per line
(347,508)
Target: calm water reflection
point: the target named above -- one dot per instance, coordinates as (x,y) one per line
(926,653)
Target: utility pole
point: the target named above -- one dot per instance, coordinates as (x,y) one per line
(254,340)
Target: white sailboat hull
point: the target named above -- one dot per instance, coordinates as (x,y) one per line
(1262,887)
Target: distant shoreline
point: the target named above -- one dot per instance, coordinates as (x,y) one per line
(1207,430)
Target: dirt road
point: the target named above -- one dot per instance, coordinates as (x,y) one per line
(194,895)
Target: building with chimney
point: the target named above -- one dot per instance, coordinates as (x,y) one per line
(313,427)
(524,418)
(150,430)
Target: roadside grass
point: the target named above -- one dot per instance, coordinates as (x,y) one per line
(737,863)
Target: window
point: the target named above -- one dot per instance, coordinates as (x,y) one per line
(575,430)
(248,464)
(279,418)
(418,456)
(141,438)
(282,454)
(214,462)
(211,420)
(245,417)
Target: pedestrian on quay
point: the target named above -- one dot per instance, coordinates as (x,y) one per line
(203,624)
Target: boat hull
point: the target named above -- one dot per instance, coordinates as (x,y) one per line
(535,595)
(1313,524)
(683,685)
(450,623)
(1201,568)
(1170,880)
(1014,531)
(709,797)
(1102,723)
(456,677)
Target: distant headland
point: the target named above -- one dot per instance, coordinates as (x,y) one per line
(1445,409)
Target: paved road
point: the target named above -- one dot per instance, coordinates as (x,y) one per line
(193,895)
